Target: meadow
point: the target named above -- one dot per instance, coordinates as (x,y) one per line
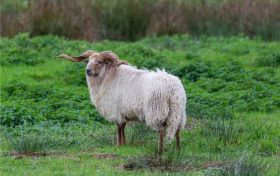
(49,127)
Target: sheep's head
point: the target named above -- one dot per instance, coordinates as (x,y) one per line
(98,64)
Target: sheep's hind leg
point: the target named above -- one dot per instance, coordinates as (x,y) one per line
(123,134)
(160,142)
(178,139)
(119,135)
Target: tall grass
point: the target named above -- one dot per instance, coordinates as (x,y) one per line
(131,20)
(245,166)
(138,133)
(24,143)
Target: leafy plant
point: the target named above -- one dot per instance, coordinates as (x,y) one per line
(269,59)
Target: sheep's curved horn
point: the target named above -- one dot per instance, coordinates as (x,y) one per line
(112,58)
(80,58)
(109,56)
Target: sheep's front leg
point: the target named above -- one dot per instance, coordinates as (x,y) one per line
(160,142)
(119,134)
(123,134)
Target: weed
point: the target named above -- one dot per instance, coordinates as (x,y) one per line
(270,60)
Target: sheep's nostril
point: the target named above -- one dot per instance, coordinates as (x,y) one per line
(88,71)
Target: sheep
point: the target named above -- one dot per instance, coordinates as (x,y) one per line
(122,93)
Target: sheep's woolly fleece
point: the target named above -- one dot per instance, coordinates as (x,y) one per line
(131,94)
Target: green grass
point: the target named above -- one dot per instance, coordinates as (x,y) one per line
(49,127)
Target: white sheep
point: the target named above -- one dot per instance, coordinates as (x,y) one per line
(123,93)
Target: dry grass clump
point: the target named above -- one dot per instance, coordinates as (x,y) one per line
(131,20)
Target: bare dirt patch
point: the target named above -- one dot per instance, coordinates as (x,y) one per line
(179,168)
(17,155)
(154,164)
(214,164)
(106,156)
(91,149)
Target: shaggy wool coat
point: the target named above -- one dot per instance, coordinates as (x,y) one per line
(130,94)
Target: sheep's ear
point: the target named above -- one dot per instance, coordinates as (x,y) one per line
(80,58)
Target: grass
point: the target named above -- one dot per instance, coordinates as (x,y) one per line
(25,144)
(87,148)
(49,127)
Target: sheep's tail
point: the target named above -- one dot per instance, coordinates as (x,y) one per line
(177,115)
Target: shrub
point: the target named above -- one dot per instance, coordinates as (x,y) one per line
(48,17)
(142,57)
(17,114)
(208,106)
(74,74)
(269,60)
(197,70)
(27,91)
(140,18)
(131,22)
(34,103)
(19,52)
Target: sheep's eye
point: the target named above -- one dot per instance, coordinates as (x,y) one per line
(98,62)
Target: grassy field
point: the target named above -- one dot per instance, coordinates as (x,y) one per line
(49,127)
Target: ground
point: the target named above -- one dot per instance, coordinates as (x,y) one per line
(49,127)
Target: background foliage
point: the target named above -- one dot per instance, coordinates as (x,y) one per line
(130,20)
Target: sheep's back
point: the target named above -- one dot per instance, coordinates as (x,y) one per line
(160,93)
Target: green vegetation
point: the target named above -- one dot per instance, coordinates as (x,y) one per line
(48,125)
